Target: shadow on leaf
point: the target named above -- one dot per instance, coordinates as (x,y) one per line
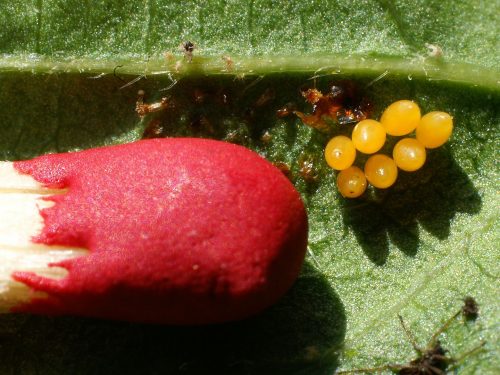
(428,199)
(298,335)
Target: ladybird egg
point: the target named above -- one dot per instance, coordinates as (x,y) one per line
(368,136)
(351,182)
(434,129)
(409,154)
(401,117)
(381,171)
(340,152)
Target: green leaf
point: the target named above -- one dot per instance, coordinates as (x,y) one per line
(68,74)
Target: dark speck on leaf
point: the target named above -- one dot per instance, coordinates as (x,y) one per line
(470,309)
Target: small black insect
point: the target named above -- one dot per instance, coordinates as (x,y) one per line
(431,360)
(188,48)
(470,309)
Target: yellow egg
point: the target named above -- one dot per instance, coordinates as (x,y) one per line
(435,129)
(401,117)
(351,182)
(409,154)
(340,152)
(368,136)
(381,171)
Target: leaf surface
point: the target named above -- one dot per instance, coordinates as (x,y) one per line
(68,73)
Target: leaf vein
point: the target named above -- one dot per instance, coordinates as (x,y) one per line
(403,30)
(250,23)
(417,289)
(148,26)
(38,35)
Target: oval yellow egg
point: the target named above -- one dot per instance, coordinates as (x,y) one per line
(340,152)
(434,129)
(351,182)
(409,154)
(401,117)
(368,136)
(381,171)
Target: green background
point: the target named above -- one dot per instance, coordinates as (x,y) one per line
(416,249)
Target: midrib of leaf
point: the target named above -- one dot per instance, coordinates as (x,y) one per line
(432,69)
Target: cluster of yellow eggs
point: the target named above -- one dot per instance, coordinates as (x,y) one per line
(368,136)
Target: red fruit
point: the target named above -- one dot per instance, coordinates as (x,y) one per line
(180,231)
